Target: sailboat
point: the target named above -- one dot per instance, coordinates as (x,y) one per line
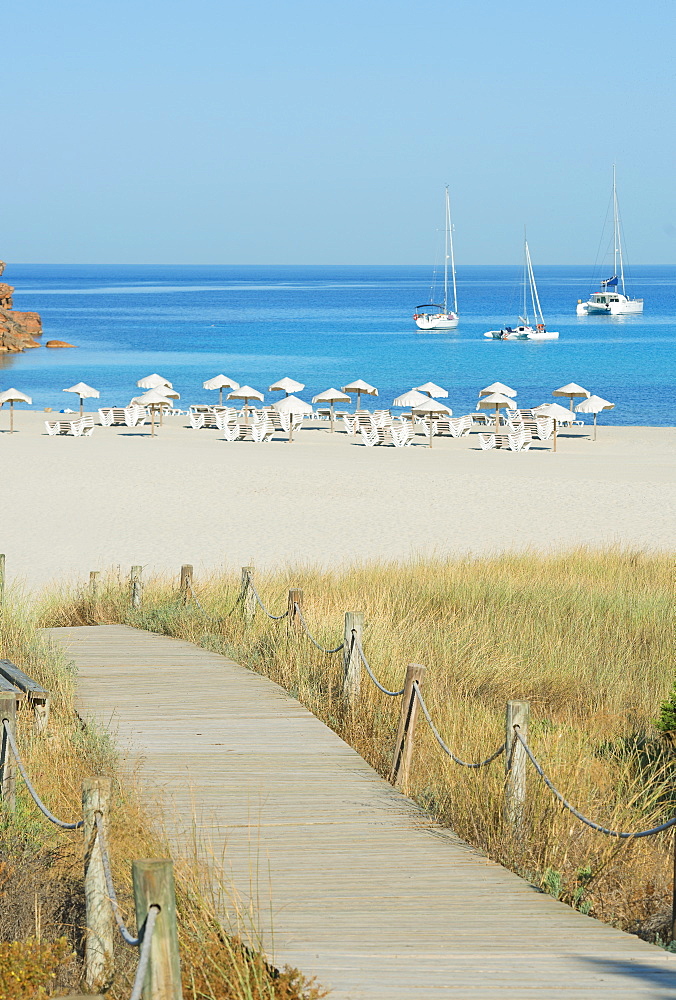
(525,330)
(610,301)
(432,315)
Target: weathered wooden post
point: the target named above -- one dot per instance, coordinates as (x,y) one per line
(98,972)
(517,715)
(7,762)
(2,578)
(136,587)
(295,598)
(154,886)
(248,596)
(352,632)
(94,580)
(186,583)
(403,746)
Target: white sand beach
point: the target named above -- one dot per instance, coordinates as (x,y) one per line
(121,497)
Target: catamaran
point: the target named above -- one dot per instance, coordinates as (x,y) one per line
(610,301)
(525,330)
(432,315)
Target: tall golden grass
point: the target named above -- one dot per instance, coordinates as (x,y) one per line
(41,866)
(586,637)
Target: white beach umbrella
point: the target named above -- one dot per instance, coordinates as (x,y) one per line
(431,407)
(84,391)
(432,390)
(153,382)
(165,391)
(360,387)
(571,391)
(594,404)
(287,385)
(498,387)
(496,401)
(154,400)
(558,413)
(411,398)
(13,396)
(331,396)
(293,406)
(220,382)
(246,393)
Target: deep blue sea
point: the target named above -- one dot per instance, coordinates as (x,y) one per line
(328,325)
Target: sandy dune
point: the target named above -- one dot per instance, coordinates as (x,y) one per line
(76,504)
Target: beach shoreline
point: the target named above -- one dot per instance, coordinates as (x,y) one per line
(120,497)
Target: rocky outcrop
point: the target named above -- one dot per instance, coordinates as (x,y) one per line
(6,292)
(15,335)
(57,343)
(17,329)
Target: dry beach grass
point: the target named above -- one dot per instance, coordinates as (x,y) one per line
(586,637)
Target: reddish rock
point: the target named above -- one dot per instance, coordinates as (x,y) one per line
(57,343)
(6,292)
(30,321)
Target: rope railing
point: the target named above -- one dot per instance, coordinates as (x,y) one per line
(636,835)
(152,879)
(145,940)
(360,651)
(322,649)
(265,611)
(435,732)
(126,935)
(34,795)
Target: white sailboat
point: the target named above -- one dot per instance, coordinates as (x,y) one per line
(432,315)
(610,301)
(526,330)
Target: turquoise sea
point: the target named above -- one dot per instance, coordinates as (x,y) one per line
(328,325)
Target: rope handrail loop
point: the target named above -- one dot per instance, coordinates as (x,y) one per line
(146,937)
(442,744)
(584,819)
(110,886)
(260,603)
(207,614)
(322,649)
(36,798)
(357,646)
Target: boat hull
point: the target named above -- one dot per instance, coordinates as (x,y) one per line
(442,321)
(630,307)
(522,333)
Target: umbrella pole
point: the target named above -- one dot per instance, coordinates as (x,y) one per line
(497,418)
(554,433)
(431,430)
(11,416)
(81,405)
(595,427)
(332,418)
(358,406)
(220,396)
(152,421)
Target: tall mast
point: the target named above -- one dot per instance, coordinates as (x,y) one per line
(449,246)
(617,235)
(446,220)
(537,308)
(526,278)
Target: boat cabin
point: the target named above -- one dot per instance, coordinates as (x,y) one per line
(605,298)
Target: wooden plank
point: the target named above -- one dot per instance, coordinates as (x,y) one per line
(346,878)
(19,679)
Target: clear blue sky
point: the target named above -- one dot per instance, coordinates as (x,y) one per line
(308,132)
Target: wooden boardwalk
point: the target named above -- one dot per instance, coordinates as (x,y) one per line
(360,888)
